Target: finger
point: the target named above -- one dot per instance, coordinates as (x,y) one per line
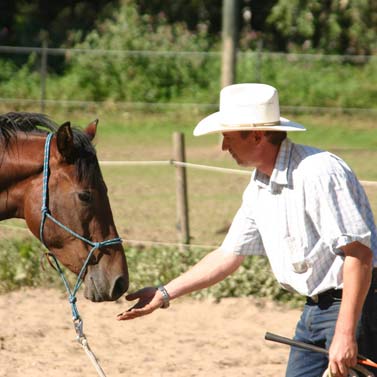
(133,313)
(333,370)
(339,369)
(133,296)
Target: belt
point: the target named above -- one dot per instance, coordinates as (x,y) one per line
(327,296)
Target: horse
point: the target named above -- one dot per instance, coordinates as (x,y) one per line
(50,177)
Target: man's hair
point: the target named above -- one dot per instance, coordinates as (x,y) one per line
(273,137)
(276,137)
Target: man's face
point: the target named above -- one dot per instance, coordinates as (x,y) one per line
(242,147)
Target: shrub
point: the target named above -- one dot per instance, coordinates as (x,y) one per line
(20,266)
(149,77)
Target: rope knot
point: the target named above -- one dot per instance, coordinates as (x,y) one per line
(72,299)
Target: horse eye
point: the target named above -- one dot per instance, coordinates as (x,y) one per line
(85,196)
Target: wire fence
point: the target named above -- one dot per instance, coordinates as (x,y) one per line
(172,163)
(259,56)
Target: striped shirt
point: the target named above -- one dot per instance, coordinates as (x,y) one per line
(301,216)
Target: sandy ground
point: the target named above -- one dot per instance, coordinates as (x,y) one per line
(191,338)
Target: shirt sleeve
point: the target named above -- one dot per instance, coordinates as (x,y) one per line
(243,237)
(339,209)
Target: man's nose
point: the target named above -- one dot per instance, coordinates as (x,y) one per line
(225,145)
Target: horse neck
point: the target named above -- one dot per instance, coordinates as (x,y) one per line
(20,163)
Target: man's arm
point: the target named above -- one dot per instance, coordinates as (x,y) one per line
(356,281)
(214,267)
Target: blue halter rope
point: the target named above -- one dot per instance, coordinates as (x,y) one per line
(95,245)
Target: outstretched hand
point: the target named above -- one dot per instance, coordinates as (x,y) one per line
(150,299)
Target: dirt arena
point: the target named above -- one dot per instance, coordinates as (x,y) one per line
(191,338)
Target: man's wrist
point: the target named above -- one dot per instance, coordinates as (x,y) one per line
(165,297)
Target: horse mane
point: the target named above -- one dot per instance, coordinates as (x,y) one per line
(87,166)
(13,122)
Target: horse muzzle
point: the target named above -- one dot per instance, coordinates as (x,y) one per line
(99,286)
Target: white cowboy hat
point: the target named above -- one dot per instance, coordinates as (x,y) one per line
(247,107)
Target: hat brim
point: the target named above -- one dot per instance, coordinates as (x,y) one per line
(212,124)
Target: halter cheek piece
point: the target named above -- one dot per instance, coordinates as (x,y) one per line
(46,214)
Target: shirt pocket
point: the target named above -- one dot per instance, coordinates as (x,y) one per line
(294,253)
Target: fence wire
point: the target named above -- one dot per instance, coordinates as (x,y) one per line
(260,55)
(170,163)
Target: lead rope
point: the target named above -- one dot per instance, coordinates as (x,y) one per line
(356,371)
(77,321)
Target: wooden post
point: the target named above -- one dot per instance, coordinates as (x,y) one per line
(43,74)
(181,190)
(229,41)
(258,62)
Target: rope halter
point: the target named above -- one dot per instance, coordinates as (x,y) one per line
(95,245)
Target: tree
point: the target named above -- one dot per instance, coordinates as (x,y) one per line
(331,26)
(21,21)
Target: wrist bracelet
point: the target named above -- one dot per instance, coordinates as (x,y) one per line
(165,297)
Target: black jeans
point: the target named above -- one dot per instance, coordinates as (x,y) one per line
(368,334)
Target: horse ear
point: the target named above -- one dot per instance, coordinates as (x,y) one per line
(65,141)
(91,129)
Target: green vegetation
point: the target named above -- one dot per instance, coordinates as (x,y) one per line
(168,63)
(20,267)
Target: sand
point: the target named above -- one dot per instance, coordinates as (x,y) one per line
(191,338)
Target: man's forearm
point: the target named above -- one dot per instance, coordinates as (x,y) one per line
(357,272)
(356,280)
(210,270)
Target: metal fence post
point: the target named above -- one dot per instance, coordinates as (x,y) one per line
(181,190)
(231,9)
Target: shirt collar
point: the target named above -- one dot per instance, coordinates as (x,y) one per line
(279,176)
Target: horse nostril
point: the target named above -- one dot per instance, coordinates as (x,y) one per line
(120,287)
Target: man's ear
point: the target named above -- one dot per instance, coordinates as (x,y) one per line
(64,137)
(91,129)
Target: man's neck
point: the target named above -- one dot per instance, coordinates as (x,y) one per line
(267,165)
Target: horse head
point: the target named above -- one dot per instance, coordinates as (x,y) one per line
(77,197)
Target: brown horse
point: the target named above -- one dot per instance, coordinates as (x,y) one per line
(77,197)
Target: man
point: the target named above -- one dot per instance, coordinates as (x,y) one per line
(305,209)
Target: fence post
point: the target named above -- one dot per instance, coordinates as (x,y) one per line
(43,73)
(230,10)
(181,190)
(258,61)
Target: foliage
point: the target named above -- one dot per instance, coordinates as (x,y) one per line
(317,82)
(26,23)
(331,26)
(334,26)
(152,72)
(20,266)
(21,82)
(140,77)
(153,266)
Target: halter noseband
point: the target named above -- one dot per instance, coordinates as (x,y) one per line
(46,214)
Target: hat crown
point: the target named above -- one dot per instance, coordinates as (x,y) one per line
(249,104)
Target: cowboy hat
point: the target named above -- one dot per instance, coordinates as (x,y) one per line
(247,107)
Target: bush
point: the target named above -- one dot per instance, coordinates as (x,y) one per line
(20,266)
(148,77)
(19,83)
(153,266)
